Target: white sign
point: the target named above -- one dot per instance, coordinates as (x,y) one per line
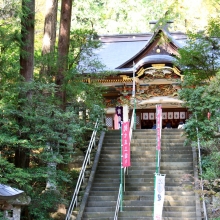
(164,115)
(182,115)
(176,115)
(151,116)
(145,116)
(159,196)
(170,115)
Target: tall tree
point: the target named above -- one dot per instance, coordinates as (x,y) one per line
(22,157)
(199,61)
(27,39)
(49,38)
(63,48)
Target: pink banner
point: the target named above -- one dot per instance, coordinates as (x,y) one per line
(126,162)
(159,124)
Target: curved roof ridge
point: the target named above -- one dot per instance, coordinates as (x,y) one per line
(147,44)
(154,59)
(166,33)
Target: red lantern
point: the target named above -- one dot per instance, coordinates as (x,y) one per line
(208,115)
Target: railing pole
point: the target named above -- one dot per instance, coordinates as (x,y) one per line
(121,200)
(200,170)
(135,119)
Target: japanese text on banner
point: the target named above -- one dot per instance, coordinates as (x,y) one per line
(125,145)
(159,125)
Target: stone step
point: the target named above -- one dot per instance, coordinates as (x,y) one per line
(107,184)
(112,146)
(146,152)
(181,214)
(100,215)
(144,140)
(100,209)
(106,189)
(153,146)
(153,137)
(167,188)
(111,151)
(163,130)
(139,156)
(113,141)
(150,180)
(169,194)
(146,218)
(108,196)
(140,182)
(101,204)
(166,215)
(136,214)
(103,175)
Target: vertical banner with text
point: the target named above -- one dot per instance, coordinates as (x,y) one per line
(159,198)
(159,125)
(119,112)
(126,162)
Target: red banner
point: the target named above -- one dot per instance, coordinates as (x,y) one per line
(159,125)
(126,162)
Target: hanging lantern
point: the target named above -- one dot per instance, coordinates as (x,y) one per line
(208,115)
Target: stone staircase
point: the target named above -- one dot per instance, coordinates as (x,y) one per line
(104,191)
(138,198)
(178,165)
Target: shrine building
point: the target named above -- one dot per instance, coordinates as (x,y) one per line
(149,60)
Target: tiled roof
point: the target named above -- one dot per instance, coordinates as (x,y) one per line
(8,192)
(117,49)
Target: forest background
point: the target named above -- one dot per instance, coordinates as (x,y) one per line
(45,104)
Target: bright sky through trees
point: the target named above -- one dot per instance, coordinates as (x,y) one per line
(129,16)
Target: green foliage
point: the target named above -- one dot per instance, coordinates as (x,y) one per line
(199,61)
(13,176)
(104,17)
(34,131)
(200,88)
(2,216)
(200,101)
(211,164)
(43,203)
(32,121)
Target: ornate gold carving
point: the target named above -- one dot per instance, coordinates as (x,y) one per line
(164,73)
(125,78)
(158,90)
(140,72)
(158,66)
(123,100)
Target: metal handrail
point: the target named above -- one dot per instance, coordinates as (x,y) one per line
(118,203)
(82,172)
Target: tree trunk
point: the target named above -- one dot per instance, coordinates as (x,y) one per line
(63,48)
(27,38)
(22,155)
(49,38)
